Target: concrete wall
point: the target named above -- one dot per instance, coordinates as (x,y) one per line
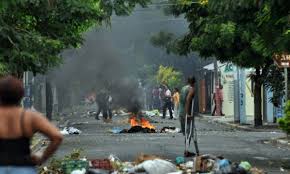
(228,75)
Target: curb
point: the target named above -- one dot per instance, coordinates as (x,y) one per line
(232,125)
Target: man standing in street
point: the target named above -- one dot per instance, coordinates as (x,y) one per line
(167,102)
(186,111)
(104,102)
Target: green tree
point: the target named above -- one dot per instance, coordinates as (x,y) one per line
(33,33)
(284,123)
(274,21)
(169,76)
(229,30)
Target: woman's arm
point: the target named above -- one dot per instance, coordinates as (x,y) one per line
(42,125)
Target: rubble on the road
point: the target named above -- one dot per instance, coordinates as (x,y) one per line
(149,164)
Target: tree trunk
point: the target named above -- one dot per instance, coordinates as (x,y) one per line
(258,99)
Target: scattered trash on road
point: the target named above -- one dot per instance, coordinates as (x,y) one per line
(170,130)
(151,164)
(70,131)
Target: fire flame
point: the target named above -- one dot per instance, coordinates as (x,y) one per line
(133,121)
(143,123)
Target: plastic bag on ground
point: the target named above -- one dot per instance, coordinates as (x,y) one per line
(179,160)
(70,131)
(82,171)
(116,130)
(245,165)
(170,130)
(178,172)
(115,162)
(156,166)
(224,166)
(98,171)
(64,131)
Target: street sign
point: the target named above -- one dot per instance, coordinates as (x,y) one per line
(282,60)
(229,68)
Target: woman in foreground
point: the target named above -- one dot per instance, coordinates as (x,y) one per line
(17,127)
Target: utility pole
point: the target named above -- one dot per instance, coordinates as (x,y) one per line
(217,89)
(27,100)
(286,83)
(237,96)
(242,90)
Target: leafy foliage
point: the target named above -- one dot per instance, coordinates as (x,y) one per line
(167,75)
(274,21)
(284,123)
(237,32)
(39,30)
(274,82)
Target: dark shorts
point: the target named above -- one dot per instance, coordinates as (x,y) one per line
(182,125)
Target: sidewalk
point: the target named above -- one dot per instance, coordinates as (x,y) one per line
(249,126)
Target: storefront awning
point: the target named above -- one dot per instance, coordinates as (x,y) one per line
(210,67)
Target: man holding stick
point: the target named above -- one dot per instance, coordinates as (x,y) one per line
(186,116)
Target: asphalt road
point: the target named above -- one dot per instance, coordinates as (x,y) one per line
(98,142)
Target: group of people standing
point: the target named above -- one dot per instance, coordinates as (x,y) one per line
(164,100)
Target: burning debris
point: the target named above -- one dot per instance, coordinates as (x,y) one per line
(139,125)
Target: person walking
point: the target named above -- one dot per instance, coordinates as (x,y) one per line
(17,127)
(175,98)
(218,96)
(167,102)
(186,115)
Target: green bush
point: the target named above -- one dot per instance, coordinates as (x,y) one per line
(284,123)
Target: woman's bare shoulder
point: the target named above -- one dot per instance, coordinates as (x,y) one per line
(33,114)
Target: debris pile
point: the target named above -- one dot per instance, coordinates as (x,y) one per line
(149,164)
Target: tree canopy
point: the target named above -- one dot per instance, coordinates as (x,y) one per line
(238,32)
(33,33)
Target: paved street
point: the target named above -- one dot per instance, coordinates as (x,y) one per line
(214,138)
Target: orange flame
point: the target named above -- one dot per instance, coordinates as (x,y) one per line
(146,124)
(133,121)
(143,122)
